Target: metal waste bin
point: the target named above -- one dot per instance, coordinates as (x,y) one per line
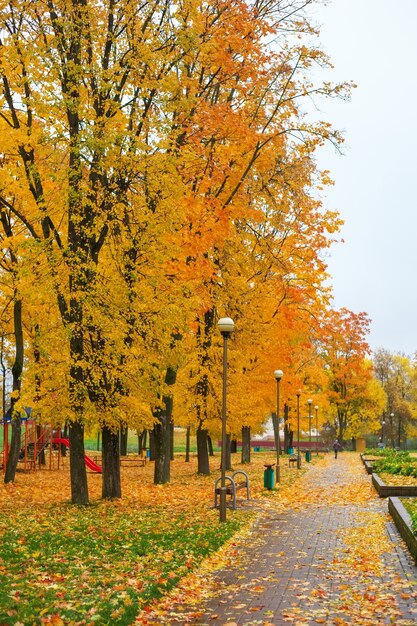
(308,456)
(269,477)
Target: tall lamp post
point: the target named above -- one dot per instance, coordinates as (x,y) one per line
(310,402)
(225,326)
(391,428)
(278,375)
(298,431)
(316,408)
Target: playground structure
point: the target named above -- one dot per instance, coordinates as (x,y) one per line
(37,442)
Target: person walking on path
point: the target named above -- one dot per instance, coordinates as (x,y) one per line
(325,553)
(336,447)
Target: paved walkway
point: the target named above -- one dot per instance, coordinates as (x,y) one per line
(333,556)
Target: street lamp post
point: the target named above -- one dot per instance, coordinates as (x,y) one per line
(391,428)
(298,431)
(225,326)
(316,408)
(278,375)
(310,402)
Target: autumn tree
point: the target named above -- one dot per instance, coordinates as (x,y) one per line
(255,173)
(73,109)
(354,397)
(164,171)
(396,374)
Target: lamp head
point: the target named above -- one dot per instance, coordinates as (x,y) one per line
(316,407)
(310,401)
(278,374)
(226,326)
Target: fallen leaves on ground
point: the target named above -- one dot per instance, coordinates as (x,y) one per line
(359,584)
(104,562)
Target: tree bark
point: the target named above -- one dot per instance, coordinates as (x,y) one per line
(202,452)
(162,434)
(210,445)
(187,445)
(14,449)
(78,474)
(245,444)
(111,485)
(123,441)
(172,439)
(288,433)
(233,446)
(228,454)
(151,446)
(142,436)
(276,431)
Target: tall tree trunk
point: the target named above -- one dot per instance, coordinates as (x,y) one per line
(78,474)
(233,446)
(288,433)
(41,454)
(210,445)
(162,434)
(111,485)
(162,437)
(151,446)
(202,451)
(63,446)
(14,449)
(142,436)
(245,444)
(123,440)
(3,371)
(276,431)
(228,454)
(187,444)
(172,439)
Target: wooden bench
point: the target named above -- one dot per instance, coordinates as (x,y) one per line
(238,480)
(139,461)
(292,460)
(125,461)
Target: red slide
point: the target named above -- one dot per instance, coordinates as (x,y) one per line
(89,462)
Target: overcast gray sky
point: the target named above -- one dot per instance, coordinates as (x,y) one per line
(374,43)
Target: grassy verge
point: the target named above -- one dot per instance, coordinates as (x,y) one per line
(101,564)
(410,505)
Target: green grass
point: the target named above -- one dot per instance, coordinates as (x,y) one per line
(410,505)
(98,564)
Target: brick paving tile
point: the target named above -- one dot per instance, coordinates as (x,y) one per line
(298,567)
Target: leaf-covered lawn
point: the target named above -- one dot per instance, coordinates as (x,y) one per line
(397,480)
(101,564)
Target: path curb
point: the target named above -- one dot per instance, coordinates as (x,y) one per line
(394,491)
(403,523)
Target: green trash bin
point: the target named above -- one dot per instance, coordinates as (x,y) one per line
(269,477)
(308,456)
